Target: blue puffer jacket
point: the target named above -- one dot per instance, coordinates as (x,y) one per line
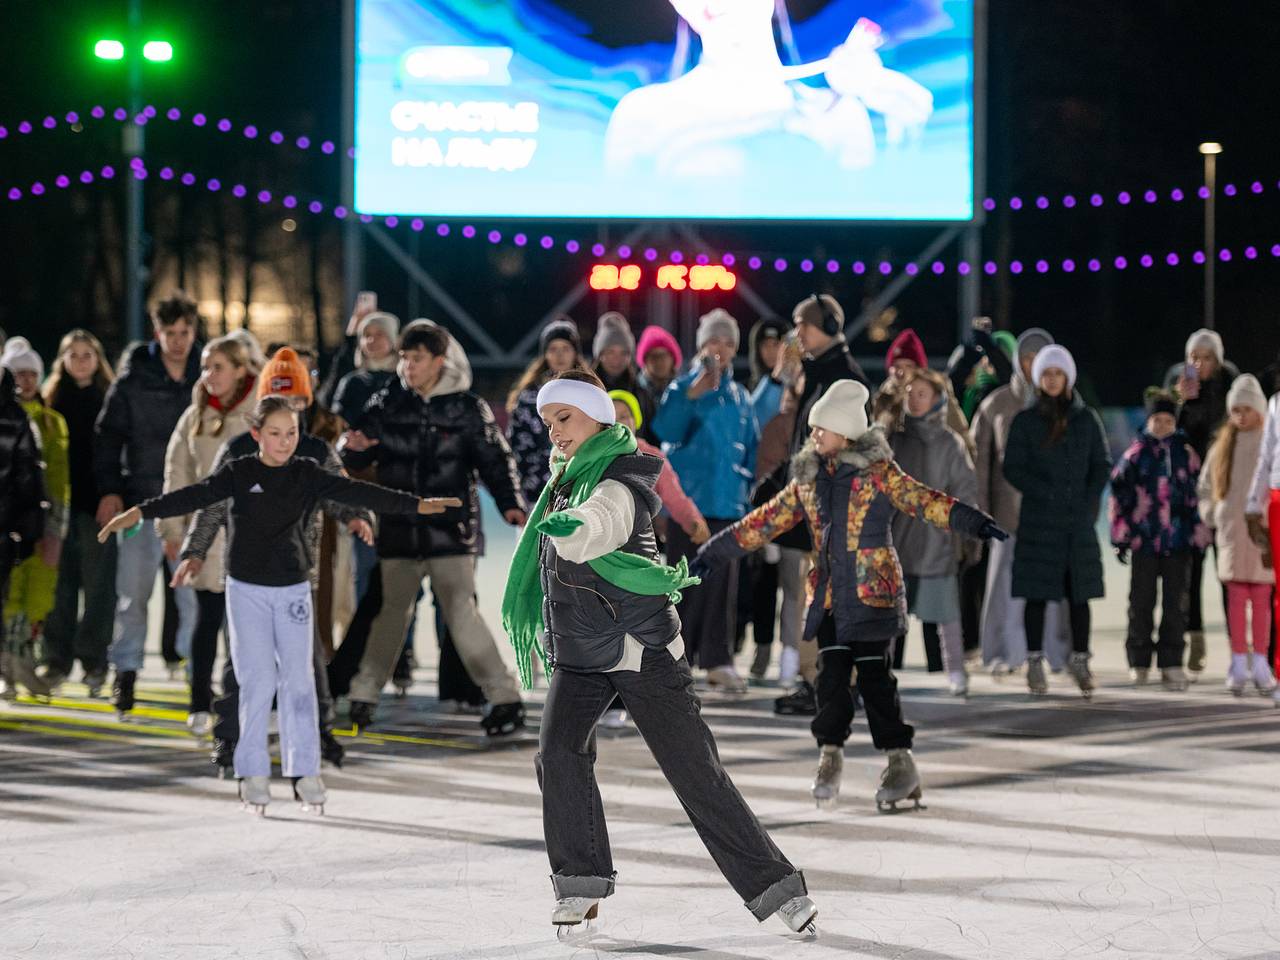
(711,443)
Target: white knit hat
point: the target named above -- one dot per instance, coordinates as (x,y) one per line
(1054,357)
(1246,391)
(19,355)
(718,323)
(1206,339)
(842,409)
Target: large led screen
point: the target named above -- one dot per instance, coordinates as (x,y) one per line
(666,109)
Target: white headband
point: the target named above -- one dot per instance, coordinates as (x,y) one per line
(587,397)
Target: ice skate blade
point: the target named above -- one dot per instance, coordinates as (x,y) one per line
(890,807)
(827,803)
(314,808)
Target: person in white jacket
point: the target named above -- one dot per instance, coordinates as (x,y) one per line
(1262,510)
(1244,567)
(221,403)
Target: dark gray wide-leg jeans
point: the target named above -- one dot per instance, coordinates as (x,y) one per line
(667,713)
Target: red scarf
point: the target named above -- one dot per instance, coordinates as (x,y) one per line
(245,387)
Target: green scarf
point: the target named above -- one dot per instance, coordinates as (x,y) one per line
(522,599)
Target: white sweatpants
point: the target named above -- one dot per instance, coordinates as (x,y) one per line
(271,636)
(1004,632)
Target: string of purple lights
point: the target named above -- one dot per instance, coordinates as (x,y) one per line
(624,252)
(1069,201)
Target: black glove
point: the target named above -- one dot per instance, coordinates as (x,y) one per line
(991,530)
(1122,554)
(698,567)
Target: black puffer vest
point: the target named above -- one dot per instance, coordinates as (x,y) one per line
(587,618)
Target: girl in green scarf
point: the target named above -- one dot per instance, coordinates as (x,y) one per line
(587,583)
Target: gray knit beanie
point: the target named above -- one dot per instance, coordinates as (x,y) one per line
(718,323)
(613,331)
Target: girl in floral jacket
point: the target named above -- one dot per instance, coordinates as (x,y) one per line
(1155,517)
(845,478)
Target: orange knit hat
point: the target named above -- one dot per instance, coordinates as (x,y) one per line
(286,375)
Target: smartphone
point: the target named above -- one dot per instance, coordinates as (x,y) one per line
(1189,372)
(366,301)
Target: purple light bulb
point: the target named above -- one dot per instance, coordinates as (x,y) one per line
(806,266)
(624,251)
(520,239)
(416,225)
(495,236)
(250,132)
(859,267)
(597,249)
(754,263)
(224,125)
(728,259)
(546,243)
(780,264)
(442,230)
(572,246)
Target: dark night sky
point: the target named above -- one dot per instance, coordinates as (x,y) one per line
(1084,95)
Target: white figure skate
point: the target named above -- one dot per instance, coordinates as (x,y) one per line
(900,781)
(826,782)
(800,914)
(1263,678)
(255,794)
(1078,667)
(572,912)
(309,791)
(1238,673)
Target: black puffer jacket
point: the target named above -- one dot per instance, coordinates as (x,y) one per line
(22,496)
(354,392)
(587,618)
(436,447)
(1200,418)
(138,416)
(1061,485)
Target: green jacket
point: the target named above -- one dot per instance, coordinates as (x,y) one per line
(55,445)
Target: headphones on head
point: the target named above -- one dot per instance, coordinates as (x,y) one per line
(830,322)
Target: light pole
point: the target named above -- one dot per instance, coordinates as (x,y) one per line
(134,51)
(1210,151)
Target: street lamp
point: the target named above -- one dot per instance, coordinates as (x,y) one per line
(1210,150)
(134,51)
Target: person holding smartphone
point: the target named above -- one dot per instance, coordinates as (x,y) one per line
(709,432)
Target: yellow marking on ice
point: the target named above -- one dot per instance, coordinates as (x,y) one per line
(30,726)
(402,738)
(93,706)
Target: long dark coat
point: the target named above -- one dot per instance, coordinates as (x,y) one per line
(1060,485)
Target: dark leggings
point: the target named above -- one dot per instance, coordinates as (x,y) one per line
(1033,619)
(212,609)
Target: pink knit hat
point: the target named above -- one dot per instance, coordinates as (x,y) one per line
(656,338)
(906,346)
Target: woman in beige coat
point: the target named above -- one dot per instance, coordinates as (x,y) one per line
(1245,569)
(220,403)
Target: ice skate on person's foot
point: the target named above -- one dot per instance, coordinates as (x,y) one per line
(503,719)
(331,751)
(800,914)
(999,669)
(200,723)
(1037,685)
(614,720)
(1196,655)
(122,692)
(53,677)
(361,714)
(799,701)
(726,680)
(571,912)
(1238,673)
(826,782)
(255,794)
(22,670)
(899,781)
(222,756)
(958,683)
(1263,678)
(95,680)
(1139,676)
(176,671)
(1078,667)
(1173,679)
(309,791)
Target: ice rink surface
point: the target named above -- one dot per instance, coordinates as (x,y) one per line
(1143,824)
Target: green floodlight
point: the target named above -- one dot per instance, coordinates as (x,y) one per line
(108,50)
(158,51)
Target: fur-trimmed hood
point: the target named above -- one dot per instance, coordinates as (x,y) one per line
(869,449)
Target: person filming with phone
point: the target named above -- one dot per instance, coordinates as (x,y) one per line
(1202,382)
(709,432)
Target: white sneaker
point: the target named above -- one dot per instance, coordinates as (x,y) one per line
(959,681)
(1263,678)
(614,720)
(200,723)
